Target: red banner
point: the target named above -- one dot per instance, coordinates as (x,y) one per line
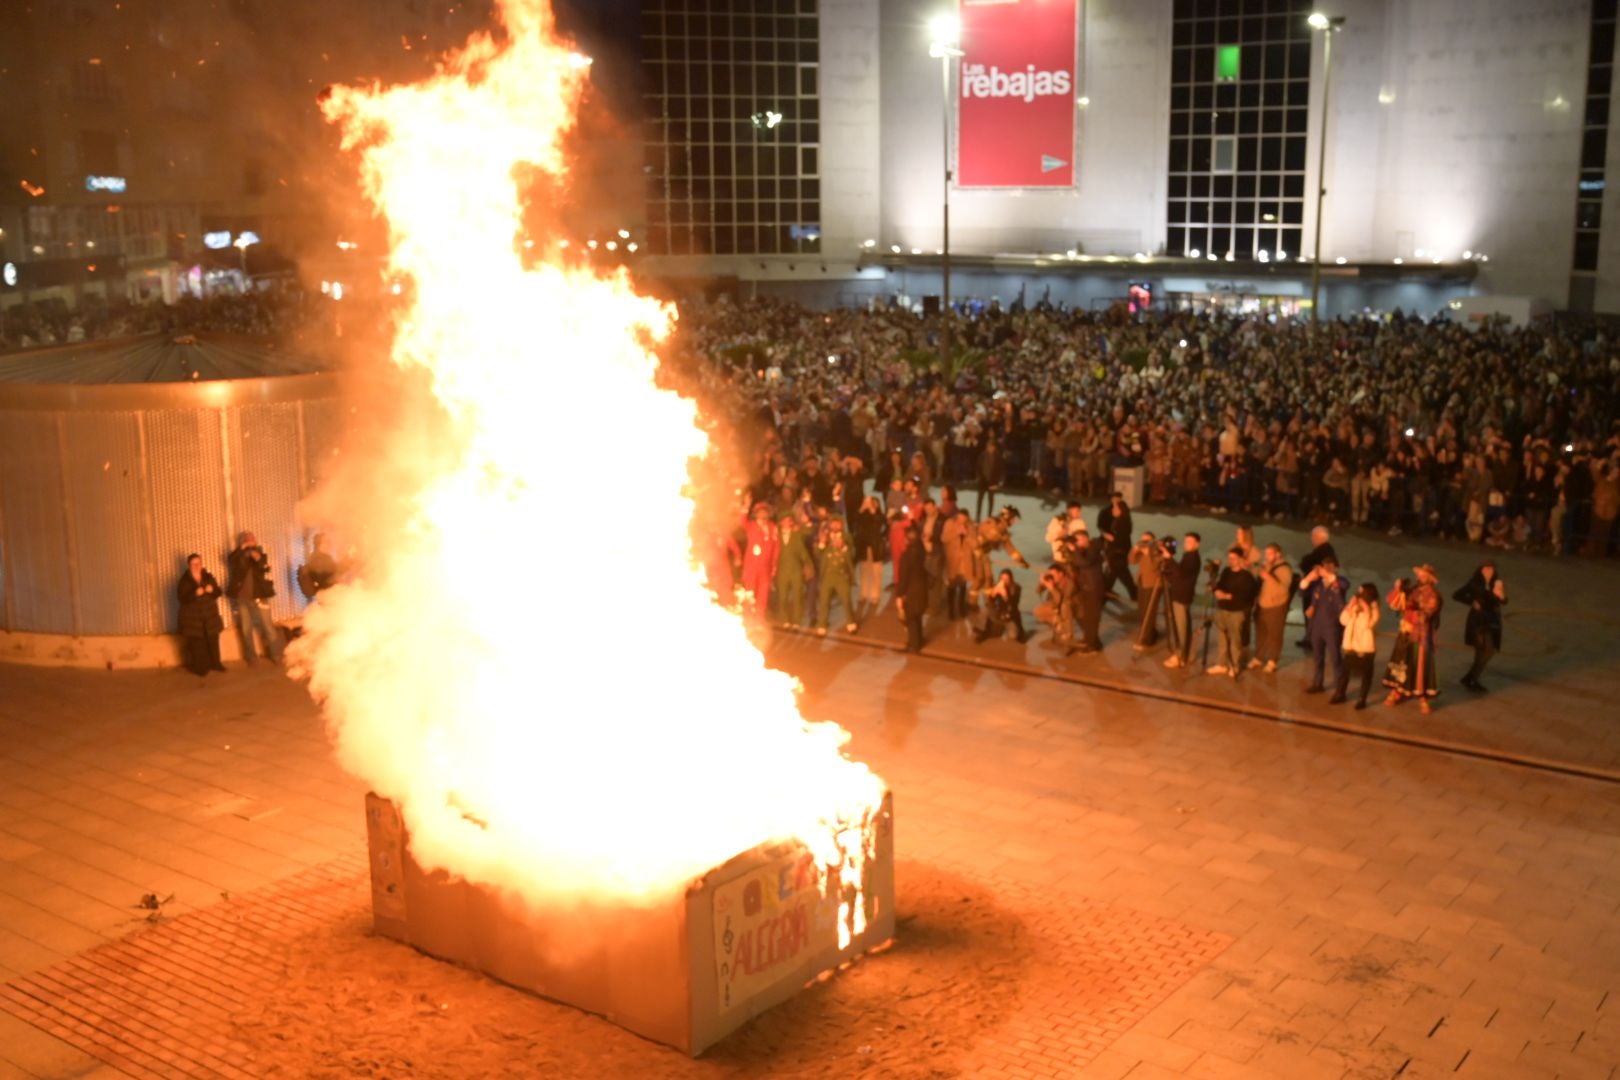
(1016,94)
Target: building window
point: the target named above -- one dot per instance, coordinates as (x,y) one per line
(1594,147)
(1239,96)
(732,126)
(90,81)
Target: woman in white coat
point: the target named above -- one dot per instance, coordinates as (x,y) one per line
(1360,622)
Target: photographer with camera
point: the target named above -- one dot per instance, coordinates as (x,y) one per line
(250,590)
(1321,548)
(1411,663)
(1149,557)
(1001,608)
(1235,590)
(1058,531)
(1057,607)
(1183,591)
(1325,591)
(1360,621)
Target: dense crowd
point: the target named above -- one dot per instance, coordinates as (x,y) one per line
(1500,436)
(281,313)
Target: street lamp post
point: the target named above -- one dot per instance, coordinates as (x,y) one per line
(946,33)
(241,244)
(1329,25)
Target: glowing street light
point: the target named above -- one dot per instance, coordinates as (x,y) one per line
(1329,25)
(945,34)
(241,244)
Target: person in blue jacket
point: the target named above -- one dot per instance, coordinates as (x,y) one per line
(1325,591)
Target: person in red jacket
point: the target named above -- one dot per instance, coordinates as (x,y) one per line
(761,546)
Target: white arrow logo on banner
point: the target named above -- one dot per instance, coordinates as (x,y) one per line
(1048,163)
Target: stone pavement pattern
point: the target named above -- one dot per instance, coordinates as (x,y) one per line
(1391,911)
(1553,683)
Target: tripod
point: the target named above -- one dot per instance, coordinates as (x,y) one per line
(1149,626)
(1207,621)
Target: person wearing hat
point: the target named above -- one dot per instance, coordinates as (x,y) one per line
(835,576)
(995,532)
(795,566)
(1484,594)
(250,590)
(1411,667)
(761,547)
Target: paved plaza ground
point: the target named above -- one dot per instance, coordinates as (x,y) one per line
(1189,878)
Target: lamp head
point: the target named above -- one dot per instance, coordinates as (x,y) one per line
(945,31)
(1321,21)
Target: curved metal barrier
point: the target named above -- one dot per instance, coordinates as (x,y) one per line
(106,488)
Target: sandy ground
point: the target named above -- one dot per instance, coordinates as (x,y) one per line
(356,1005)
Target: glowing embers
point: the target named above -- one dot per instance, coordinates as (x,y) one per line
(684,971)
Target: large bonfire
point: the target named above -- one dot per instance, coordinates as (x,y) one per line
(558,712)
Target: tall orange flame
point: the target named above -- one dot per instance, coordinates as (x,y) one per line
(567,731)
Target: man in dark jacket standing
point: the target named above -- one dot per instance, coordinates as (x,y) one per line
(1184,575)
(1087,564)
(200,623)
(911,591)
(1114,527)
(250,591)
(1484,594)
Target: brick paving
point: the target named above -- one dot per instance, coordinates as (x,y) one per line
(1384,910)
(159,1003)
(163,1002)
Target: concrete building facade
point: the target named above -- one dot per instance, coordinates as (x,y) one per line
(1466,149)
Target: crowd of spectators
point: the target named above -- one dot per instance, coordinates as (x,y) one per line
(1494,435)
(280,313)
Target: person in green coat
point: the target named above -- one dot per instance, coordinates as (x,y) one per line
(794,566)
(836,557)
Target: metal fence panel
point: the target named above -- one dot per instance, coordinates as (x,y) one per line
(35,544)
(183,454)
(106,501)
(324,422)
(105,490)
(265,456)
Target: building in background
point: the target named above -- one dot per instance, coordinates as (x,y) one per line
(153,146)
(796,147)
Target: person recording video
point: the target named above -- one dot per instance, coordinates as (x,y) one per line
(250,590)
(1149,557)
